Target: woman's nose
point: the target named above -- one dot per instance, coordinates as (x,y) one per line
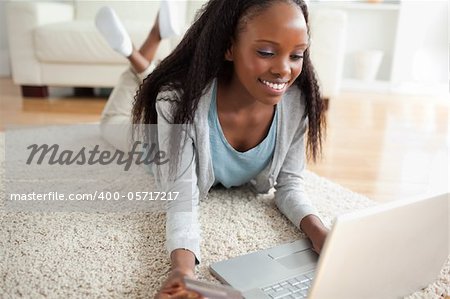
(281,68)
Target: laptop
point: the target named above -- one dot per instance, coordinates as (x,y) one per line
(387,251)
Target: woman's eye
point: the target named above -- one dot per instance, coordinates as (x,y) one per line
(265,53)
(297,57)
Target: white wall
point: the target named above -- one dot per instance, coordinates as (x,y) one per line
(422,49)
(5,69)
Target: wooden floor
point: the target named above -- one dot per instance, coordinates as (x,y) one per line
(386,147)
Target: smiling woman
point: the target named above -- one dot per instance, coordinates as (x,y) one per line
(267,56)
(268,50)
(242,86)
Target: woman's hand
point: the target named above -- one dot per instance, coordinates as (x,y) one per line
(318,240)
(174,287)
(315,230)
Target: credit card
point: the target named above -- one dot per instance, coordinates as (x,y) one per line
(211,291)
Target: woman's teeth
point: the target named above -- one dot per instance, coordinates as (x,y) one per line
(274,85)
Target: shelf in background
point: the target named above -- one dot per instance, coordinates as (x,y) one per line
(356,5)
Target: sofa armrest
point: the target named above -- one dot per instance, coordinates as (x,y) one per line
(22,19)
(328,33)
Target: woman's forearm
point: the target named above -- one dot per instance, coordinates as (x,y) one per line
(183,260)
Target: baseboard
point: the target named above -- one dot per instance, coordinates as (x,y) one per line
(5,66)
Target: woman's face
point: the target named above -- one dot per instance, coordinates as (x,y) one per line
(268,54)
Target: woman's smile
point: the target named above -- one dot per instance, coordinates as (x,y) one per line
(273,87)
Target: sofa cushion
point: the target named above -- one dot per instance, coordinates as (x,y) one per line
(126,10)
(79,42)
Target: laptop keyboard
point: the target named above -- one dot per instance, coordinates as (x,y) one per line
(292,288)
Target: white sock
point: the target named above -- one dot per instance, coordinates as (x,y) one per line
(172,16)
(111,28)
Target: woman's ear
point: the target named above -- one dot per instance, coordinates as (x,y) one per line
(229,54)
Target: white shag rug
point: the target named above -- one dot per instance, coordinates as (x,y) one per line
(122,255)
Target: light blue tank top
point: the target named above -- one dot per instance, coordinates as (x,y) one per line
(231,167)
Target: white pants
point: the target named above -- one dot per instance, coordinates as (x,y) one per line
(116,122)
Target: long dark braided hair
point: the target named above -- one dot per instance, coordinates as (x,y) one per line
(200,57)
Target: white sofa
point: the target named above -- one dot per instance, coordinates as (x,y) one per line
(57,44)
